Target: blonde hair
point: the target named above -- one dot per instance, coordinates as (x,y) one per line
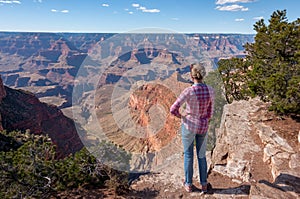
(197,71)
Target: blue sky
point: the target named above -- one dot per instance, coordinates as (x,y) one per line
(183,16)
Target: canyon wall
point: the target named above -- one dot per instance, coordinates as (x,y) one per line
(20,110)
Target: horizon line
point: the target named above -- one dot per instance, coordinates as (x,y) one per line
(93,32)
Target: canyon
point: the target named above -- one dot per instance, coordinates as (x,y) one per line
(77,73)
(118,88)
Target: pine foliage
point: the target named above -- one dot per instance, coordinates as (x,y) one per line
(271,68)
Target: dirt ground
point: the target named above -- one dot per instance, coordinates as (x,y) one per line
(218,183)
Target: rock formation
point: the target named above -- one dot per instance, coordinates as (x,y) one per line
(250,150)
(22,111)
(141,114)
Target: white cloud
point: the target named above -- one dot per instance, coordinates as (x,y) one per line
(175,19)
(62,11)
(233,7)
(130,13)
(136,5)
(222,2)
(240,19)
(10,1)
(151,10)
(126,9)
(142,8)
(105,5)
(258,18)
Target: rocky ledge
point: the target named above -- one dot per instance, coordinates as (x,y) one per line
(257,155)
(257,147)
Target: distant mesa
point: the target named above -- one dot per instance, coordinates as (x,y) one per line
(147,56)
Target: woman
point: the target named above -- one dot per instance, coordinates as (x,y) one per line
(198,111)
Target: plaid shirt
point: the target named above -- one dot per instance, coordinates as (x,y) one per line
(199,100)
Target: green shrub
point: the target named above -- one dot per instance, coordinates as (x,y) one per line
(30,169)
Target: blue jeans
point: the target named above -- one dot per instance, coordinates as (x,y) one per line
(188,140)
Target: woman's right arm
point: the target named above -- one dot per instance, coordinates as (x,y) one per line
(179,101)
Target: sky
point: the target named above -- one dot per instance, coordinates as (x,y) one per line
(121,16)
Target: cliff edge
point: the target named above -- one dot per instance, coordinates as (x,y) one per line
(257,155)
